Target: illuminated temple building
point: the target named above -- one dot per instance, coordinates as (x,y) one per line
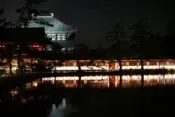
(34,35)
(61,33)
(55,29)
(45,24)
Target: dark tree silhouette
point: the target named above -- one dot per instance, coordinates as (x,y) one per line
(3,21)
(1,25)
(155,49)
(10,50)
(77,50)
(169,40)
(139,36)
(117,35)
(28,13)
(56,48)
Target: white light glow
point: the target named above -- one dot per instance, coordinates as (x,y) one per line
(76,78)
(52,14)
(71,68)
(124,77)
(52,36)
(13,68)
(61,37)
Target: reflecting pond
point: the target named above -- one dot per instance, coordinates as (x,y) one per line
(112,81)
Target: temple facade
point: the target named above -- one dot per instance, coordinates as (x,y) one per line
(58,31)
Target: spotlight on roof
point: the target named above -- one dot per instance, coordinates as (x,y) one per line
(52,14)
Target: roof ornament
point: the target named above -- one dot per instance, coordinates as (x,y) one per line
(52,14)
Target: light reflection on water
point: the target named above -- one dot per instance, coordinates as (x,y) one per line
(106,81)
(63,109)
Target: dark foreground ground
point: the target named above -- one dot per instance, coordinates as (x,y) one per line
(131,102)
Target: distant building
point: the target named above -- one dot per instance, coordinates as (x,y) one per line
(55,29)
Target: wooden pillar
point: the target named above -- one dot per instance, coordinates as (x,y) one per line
(55,73)
(120,80)
(63,81)
(116,81)
(85,81)
(116,67)
(31,62)
(147,63)
(167,63)
(142,72)
(29,85)
(127,63)
(74,63)
(34,84)
(75,83)
(96,80)
(108,82)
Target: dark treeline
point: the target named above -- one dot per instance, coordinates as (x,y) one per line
(141,43)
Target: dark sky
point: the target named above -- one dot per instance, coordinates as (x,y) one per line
(94,18)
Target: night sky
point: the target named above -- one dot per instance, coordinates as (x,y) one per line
(94,18)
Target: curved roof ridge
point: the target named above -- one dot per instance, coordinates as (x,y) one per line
(58,25)
(63,22)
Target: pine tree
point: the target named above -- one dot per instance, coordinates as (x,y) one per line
(139,36)
(117,36)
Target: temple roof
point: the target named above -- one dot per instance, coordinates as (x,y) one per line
(57,25)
